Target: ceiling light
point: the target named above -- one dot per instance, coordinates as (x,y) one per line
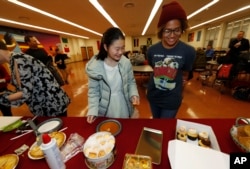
(152,15)
(202,8)
(41,28)
(222,16)
(99,8)
(52,16)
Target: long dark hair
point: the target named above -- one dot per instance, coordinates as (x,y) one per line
(109,36)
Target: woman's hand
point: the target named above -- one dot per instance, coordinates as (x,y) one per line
(91,119)
(135,100)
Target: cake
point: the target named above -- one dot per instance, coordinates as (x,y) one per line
(192,134)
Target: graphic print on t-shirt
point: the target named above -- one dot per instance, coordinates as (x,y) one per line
(164,72)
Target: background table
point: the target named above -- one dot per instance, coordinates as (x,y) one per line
(126,141)
(143,69)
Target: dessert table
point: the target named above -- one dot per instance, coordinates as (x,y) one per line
(126,140)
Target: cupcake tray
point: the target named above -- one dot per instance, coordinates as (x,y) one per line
(200,128)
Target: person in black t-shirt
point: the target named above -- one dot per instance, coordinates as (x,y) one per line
(38,53)
(60,61)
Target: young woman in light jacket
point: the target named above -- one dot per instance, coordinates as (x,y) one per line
(112,88)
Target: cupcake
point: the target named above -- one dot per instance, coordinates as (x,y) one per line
(203,135)
(204,143)
(182,137)
(192,134)
(182,130)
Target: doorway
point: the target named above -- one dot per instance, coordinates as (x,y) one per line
(90,52)
(84,53)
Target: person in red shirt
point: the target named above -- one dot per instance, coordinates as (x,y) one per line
(4,80)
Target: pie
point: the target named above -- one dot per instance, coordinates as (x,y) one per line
(8,161)
(243,136)
(110,126)
(247,130)
(36,151)
(59,136)
(245,141)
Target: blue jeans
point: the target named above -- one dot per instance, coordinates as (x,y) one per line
(159,112)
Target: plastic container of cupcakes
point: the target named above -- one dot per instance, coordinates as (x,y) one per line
(197,134)
(99,150)
(188,145)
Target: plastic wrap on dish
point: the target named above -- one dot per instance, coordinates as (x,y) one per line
(72,147)
(133,161)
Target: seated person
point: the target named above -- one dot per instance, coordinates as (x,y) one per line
(209,53)
(200,59)
(237,46)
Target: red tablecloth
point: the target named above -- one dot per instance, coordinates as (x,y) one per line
(126,141)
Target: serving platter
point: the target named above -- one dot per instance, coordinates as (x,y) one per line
(234,134)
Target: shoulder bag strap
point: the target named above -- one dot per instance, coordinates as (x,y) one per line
(17,75)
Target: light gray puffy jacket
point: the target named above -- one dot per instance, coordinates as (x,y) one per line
(99,90)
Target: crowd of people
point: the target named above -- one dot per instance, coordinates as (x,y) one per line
(112,89)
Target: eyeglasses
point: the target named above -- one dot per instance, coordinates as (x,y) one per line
(168,32)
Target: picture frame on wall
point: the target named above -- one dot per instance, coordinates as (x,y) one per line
(198,36)
(64,40)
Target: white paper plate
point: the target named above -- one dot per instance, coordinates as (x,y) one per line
(35,143)
(50,125)
(30,156)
